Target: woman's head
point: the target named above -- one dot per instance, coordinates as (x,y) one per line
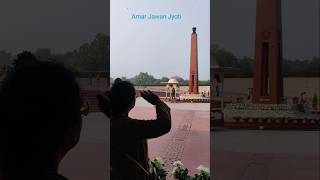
(123,96)
(42,108)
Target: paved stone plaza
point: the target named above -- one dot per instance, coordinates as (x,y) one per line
(265,155)
(189,138)
(187,141)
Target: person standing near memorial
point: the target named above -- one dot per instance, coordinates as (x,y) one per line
(129,149)
(173,93)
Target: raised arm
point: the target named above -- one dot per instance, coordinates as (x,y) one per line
(141,129)
(146,129)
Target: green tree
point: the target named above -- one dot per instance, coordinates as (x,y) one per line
(223,57)
(143,79)
(179,79)
(93,56)
(164,79)
(245,65)
(90,58)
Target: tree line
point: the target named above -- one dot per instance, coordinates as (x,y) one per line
(144,78)
(243,67)
(87,60)
(92,58)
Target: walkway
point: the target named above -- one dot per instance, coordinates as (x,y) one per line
(265,155)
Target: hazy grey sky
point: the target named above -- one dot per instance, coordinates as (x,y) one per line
(159,47)
(233,27)
(61,25)
(65,24)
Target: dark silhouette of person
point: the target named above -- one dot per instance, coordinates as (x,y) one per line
(173,93)
(40,119)
(129,149)
(24,58)
(217,91)
(303,98)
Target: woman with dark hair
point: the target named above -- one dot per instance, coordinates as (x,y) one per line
(129,149)
(40,119)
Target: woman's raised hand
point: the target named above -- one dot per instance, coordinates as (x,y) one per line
(105,103)
(150,97)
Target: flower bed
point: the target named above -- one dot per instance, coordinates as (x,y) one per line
(178,172)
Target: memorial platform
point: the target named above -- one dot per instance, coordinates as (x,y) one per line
(269,116)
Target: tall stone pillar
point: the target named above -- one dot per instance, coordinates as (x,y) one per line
(267,78)
(193,78)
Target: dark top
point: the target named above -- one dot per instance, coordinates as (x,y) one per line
(129,139)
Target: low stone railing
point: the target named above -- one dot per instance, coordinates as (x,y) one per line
(273,107)
(274,123)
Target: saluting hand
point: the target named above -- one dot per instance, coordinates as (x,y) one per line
(105,103)
(150,97)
